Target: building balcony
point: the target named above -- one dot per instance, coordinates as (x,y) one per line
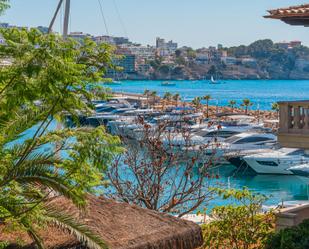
(294,124)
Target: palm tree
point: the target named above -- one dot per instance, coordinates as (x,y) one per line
(32,177)
(197,102)
(275,107)
(167,97)
(232,104)
(246,103)
(153,94)
(176,98)
(146,94)
(207,98)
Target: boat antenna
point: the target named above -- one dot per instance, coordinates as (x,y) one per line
(66,17)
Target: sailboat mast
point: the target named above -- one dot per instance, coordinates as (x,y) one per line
(50,28)
(66,18)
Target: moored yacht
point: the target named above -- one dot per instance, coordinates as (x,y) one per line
(167,83)
(302,171)
(244,141)
(278,161)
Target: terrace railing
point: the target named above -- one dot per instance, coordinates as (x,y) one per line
(294,124)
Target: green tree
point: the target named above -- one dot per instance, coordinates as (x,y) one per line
(275,107)
(178,53)
(232,104)
(197,102)
(213,70)
(207,98)
(48,80)
(246,103)
(191,54)
(147,94)
(154,95)
(4,5)
(290,238)
(177,98)
(164,69)
(240,225)
(167,97)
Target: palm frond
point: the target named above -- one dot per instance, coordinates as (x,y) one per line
(41,173)
(33,234)
(80,231)
(57,184)
(19,123)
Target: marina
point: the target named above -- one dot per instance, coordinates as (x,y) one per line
(246,153)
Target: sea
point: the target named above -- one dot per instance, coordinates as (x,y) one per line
(262,93)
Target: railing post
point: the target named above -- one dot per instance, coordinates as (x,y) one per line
(297,117)
(285,117)
(306,119)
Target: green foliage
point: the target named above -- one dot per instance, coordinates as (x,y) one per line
(167,96)
(290,238)
(239,225)
(275,107)
(197,102)
(271,58)
(49,79)
(207,98)
(246,103)
(213,70)
(164,69)
(232,104)
(4,5)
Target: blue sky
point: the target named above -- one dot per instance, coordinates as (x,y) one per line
(195,23)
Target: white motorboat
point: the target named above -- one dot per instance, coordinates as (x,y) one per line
(302,171)
(244,141)
(278,161)
(223,132)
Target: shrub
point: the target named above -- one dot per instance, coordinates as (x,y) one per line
(240,225)
(290,238)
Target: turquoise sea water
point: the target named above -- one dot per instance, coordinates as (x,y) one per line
(262,92)
(277,187)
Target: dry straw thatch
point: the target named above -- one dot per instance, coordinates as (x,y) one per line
(121,226)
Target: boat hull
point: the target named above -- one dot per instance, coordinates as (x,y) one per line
(263,166)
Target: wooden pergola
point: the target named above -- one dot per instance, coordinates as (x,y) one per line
(294,15)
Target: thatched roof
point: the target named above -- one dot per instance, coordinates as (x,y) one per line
(294,15)
(122,226)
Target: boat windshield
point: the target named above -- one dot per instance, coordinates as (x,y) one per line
(232,139)
(291,151)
